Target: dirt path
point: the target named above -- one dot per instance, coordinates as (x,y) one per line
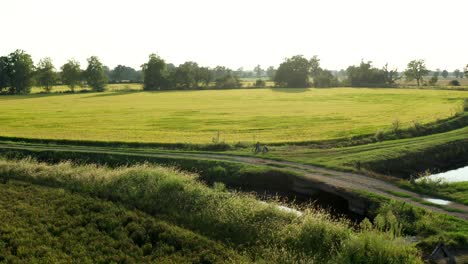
(337,179)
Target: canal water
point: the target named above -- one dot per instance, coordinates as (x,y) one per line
(458,175)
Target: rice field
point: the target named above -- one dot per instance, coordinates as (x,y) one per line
(204,116)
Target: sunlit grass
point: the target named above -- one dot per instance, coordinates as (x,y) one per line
(266,115)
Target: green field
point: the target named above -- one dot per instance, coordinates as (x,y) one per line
(266,115)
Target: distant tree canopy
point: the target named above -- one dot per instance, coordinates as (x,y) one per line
(466,71)
(365,75)
(155,74)
(445,73)
(271,71)
(293,72)
(297,71)
(258,71)
(16,72)
(45,74)
(71,74)
(95,75)
(186,76)
(416,70)
(124,73)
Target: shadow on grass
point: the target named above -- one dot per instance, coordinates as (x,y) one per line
(290,90)
(113,93)
(31,96)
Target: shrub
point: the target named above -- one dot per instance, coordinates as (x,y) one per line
(454,83)
(379,135)
(396,126)
(433,80)
(260,83)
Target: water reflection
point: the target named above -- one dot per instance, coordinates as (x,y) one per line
(459,175)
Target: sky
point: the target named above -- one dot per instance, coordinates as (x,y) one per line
(239,33)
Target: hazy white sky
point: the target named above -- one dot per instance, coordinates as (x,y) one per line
(239,33)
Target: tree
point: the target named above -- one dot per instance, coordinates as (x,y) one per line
(365,75)
(230,80)
(155,74)
(186,75)
(18,72)
(293,72)
(466,71)
(124,73)
(325,78)
(45,74)
(434,79)
(71,74)
(4,73)
(456,73)
(390,76)
(258,71)
(445,74)
(315,69)
(416,70)
(204,76)
(95,74)
(271,71)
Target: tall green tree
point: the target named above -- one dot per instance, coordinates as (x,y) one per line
(185,76)
(466,71)
(456,73)
(293,72)
(45,74)
(20,72)
(71,74)
(416,70)
(155,74)
(204,76)
(315,69)
(95,74)
(445,74)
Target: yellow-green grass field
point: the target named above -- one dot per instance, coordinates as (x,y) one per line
(266,115)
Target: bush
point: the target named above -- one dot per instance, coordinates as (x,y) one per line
(228,81)
(454,83)
(379,135)
(260,83)
(433,80)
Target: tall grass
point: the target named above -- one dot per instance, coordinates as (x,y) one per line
(262,230)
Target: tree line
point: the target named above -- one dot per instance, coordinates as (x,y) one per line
(18,74)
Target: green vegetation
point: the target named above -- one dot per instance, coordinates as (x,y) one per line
(45,225)
(285,115)
(261,230)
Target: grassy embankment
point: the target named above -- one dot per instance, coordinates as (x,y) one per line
(261,231)
(52,225)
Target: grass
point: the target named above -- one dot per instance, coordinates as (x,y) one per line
(51,225)
(266,115)
(260,230)
(457,191)
(392,156)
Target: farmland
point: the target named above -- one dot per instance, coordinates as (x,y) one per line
(240,115)
(313,134)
